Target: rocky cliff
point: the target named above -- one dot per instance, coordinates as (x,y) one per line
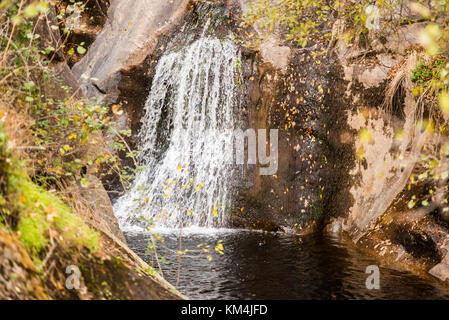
(321,105)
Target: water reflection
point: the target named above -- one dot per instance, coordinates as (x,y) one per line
(274,266)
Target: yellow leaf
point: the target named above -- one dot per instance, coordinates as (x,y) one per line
(429,37)
(399,135)
(444,102)
(365,135)
(360,153)
(117,109)
(51,213)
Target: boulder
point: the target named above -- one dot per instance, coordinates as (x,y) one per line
(127,38)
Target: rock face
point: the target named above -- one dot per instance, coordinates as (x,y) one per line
(374,94)
(293,92)
(283,89)
(318,105)
(441,270)
(311,179)
(272,50)
(99,211)
(126,40)
(376,87)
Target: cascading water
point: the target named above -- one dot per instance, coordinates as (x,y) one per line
(186,172)
(188,179)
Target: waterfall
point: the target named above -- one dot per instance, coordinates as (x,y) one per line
(185,179)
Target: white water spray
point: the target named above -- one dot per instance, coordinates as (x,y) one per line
(185,180)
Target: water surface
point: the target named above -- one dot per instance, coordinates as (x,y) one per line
(258,265)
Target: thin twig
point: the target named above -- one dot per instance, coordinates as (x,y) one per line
(126,144)
(11,35)
(50,252)
(179,257)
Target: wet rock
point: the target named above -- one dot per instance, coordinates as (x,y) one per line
(441,270)
(335,226)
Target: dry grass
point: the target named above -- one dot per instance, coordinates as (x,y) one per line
(17,122)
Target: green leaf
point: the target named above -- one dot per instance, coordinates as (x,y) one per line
(84,182)
(31,10)
(81,50)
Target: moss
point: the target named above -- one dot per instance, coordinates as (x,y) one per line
(149,271)
(33,231)
(35,213)
(40,211)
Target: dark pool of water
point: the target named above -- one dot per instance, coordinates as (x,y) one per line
(273,266)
